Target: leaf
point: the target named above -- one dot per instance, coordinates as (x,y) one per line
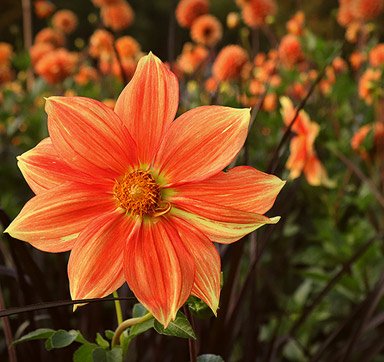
(138,311)
(84,353)
(109,334)
(101,355)
(41,333)
(61,338)
(101,341)
(209,358)
(180,327)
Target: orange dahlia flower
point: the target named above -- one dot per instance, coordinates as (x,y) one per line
(369,84)
(187,11)
(295,25)
(48,35)
(43,8)
(376,55)
(229,63)
(290,51)
(254,12)
(117,16)
(56,65)
(138,197)
(38,50)
(86,74)
(367,9)
(101,44)
(303,157)
(206,30)
(191,58)
(6,52)
(65,21)
(127,46)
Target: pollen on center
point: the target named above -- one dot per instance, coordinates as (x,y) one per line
(138,193)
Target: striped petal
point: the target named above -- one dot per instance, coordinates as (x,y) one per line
(207,262)
(200,143)
(241,188)
(43,169)
(95,267)
(52,220)
(90,137)
(148,105)
(159,269)
(221,224)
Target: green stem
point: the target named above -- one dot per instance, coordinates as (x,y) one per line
(119,315)
(128,323)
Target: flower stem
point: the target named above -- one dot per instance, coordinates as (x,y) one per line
(128,323)
(191,342)
(119,315)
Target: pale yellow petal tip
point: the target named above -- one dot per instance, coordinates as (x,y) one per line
(274,220)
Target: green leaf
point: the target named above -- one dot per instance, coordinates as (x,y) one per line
(61,338)
(109,334)
(209,358)
(101,341)
(180,327)
(41,333)
(101,355)
(84,353)
(138,311)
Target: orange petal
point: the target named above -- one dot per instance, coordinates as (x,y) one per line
(159,269)
(148,105)
(315,172)
(200,143)
(298,156)
(241,188)
(90,137)
(95,267)
(207,262)
(52,220)
(221,224)
(43,169)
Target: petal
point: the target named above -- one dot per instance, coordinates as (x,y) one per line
(221,224)
(148,105)
(200,143)
(43,169)
(95,267)
(90,137)
(241,188)
(315,172)
(159,269)
(297,158)
(52,220)
(207,263)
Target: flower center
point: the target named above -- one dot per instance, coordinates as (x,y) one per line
(138,193)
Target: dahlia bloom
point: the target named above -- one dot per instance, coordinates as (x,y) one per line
(65,21)
(118,16)
(207,30)
(187,11)
(255,12)
(303,157)
(138,197)
(290,51)
(229,63)
(43,8)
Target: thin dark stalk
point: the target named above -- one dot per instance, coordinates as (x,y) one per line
(191,342)
(7,331)
(60,303)
(27,34)
(346,267)
(171,35)
(123,75)
(361,176)
(370,305)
